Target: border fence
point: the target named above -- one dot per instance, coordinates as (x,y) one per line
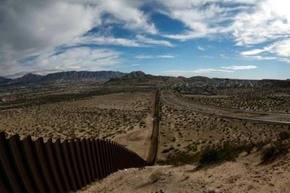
(28,166)
(153,149)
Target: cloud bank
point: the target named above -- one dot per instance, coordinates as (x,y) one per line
(32,31)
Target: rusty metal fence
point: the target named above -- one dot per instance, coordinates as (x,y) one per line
(28,166)
(153,149)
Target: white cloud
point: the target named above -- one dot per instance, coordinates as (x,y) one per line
(239,67)
(77,58)
(81,58)
(139,41)
(278,50)
(186,36)
(40,24)
(203,18)
(210,71)
(32,25)
(165,56)
(253,52)
(141,57)
(270,20)
(146,40)
(259,57)
(200,48)
(248,22)
(127,12)
(107,40)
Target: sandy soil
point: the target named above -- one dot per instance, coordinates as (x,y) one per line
(186,126)
(253,100)
(123,117)
(183,102)
(243,176)
(185,130)
(104,116)
(138,140)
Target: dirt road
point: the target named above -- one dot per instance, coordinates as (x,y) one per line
(170,98)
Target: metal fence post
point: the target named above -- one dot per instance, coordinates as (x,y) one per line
(21,164)
(8,167)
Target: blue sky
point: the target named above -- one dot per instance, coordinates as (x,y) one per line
(216,38)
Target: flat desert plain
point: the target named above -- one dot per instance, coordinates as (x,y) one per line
(123,117)
(227,142)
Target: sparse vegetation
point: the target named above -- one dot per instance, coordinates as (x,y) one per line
(155,176)
(284,135)
(100,116)
(179,158)
(253,99)
(274,151)
(207,156)
(227,152)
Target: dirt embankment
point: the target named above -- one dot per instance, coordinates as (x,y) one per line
(243,176)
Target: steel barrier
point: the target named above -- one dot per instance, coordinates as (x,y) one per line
(28,166)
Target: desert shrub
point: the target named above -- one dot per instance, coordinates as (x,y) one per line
(179,158)
(284,135)
(155,176)
(227,152)
(272,152)
(191,147)
(209,156)
(168,150)
(215,155)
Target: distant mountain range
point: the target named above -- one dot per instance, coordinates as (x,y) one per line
(139,78)
(142,79)
(60,77)
(4,80)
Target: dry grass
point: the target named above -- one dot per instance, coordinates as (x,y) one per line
(249,100)
(187,131)
(105,116)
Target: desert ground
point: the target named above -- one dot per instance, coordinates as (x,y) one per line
(186,129)
(233,141)
(123,117)
(243,176)
(258,100)
(192,124)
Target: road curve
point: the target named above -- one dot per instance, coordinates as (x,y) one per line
(170,98)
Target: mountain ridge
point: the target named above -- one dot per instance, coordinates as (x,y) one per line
(4,80)
(68,76)
(139,78)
